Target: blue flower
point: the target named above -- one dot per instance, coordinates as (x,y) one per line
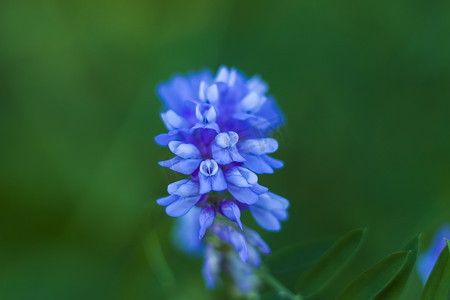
(241,263)
(269,210)
(427,260)
(218,129)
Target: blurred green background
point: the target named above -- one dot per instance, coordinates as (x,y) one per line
(365,87)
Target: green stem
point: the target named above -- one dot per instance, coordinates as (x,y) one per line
(283,291)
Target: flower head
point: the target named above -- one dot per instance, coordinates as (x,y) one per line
(218,130)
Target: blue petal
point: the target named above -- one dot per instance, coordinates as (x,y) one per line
(167,200)
(281,215)
(201,125)
(218,182)
(164,139)
(235,155)
(257,164)
(252,102)
(205,183)
(257,85)
(178,89)
(173,121)
(230,210)
(221,156)
(205,113)
(253,257)
(211,266)
(226,155)
(273,162)
(184,150)
(226,139)
(243,194)
(181,206)
(183,166)
(259,146)
(255,239)
(212,93)
(271,201)
(270,112)
(174,186)
(259,189)
(183,188)
(239,244)
(206,219)
(241,177)
(265,219)
(184,233)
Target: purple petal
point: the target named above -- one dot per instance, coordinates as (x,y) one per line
(206,219)
(181,206)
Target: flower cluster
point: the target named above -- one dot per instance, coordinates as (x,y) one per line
(218,130)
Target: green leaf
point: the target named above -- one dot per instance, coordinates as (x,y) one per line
(437,286)
(395,288)
(329,265)
(297,257)
(376,278)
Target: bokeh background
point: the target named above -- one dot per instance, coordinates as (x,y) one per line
(364,85)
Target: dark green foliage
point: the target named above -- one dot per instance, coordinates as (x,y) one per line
(297,258)
(329,265)
(385,280)
(376,278)
(395,288)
